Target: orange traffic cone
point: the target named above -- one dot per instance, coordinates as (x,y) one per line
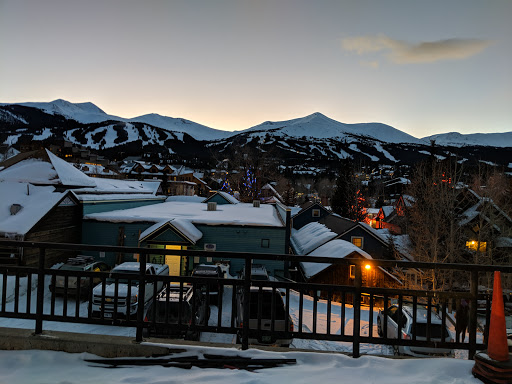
(497,347)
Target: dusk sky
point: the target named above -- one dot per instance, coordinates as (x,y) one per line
(424,67)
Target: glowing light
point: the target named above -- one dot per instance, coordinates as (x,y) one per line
(367,267)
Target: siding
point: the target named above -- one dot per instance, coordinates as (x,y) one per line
(61,225)
(370,244)
(105,206)
(306,217)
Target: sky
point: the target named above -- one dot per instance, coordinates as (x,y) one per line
(424,67)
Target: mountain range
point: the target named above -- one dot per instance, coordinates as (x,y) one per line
(313,136)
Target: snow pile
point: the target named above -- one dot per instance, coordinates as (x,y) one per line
(311,236)
(335,248)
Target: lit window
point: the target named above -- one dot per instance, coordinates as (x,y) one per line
(316,213)
(352,271)
(357,241)
(474,246)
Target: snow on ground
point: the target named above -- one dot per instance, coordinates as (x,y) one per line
(59,367)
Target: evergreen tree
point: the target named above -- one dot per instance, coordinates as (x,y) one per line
(347,200)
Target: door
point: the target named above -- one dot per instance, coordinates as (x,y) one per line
(173,261)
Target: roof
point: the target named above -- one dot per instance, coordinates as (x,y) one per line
(184,227)
(310,237)
(117,186)
(387,210)
(309,204)
(337,224)
(197,213)
(337,249)
(226,196)
(44,168)
(35,202)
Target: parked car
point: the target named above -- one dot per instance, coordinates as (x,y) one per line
(163,315)
(125,306)
(264,300)
(258,272)
(409,329)
(213,271)
(79,264)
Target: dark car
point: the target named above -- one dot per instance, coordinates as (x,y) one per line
(79,264)
(213,290)
(170,316)
(267,304)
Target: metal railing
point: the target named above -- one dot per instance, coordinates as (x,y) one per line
(77,306)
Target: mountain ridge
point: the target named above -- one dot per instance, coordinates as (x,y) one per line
(315,125)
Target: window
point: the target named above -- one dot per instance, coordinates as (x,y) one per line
(316,213)
(357,241)
(265,243)
(352,271)
(476,246)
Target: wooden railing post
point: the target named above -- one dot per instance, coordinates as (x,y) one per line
(473,314)
(246,303)
(40,292)
(358,280)
(142,297)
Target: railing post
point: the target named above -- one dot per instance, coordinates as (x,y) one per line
(246,303)
(473,314)
(40,292)
(141,298)
(358,281)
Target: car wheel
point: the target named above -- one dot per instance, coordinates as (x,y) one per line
(379,327)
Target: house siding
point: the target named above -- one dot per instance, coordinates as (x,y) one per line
(371,245)
(306,217)
(90,207)
(227,238)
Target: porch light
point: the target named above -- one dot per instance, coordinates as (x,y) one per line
(367,267)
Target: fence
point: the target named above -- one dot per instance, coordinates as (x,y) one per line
(110,296)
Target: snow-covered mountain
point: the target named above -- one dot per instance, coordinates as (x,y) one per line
(197,131)
(483,139)
(88,113)
(320,126)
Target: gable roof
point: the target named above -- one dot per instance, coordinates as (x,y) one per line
(337,224)
(335,248)
(309,204)
(183,227)
(224,195)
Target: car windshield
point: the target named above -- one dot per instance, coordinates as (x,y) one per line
(266,306)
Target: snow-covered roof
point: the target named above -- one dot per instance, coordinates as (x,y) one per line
(183,226)
(273,190)
(197,213)
(310,236)
(387,210)
(35,202)
(53,172)
(229,198)
(337,249)
(106,186)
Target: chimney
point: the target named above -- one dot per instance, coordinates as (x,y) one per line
(15,208)
(256,203)
(212,206)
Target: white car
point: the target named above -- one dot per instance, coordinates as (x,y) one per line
(419,328)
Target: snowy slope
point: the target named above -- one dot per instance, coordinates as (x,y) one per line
(320,126)
(457,139)
(81,112)
(197,131)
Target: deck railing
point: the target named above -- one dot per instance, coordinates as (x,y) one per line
(77,305)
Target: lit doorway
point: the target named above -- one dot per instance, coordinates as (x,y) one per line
(176,263)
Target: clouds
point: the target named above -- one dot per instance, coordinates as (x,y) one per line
(401,52)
